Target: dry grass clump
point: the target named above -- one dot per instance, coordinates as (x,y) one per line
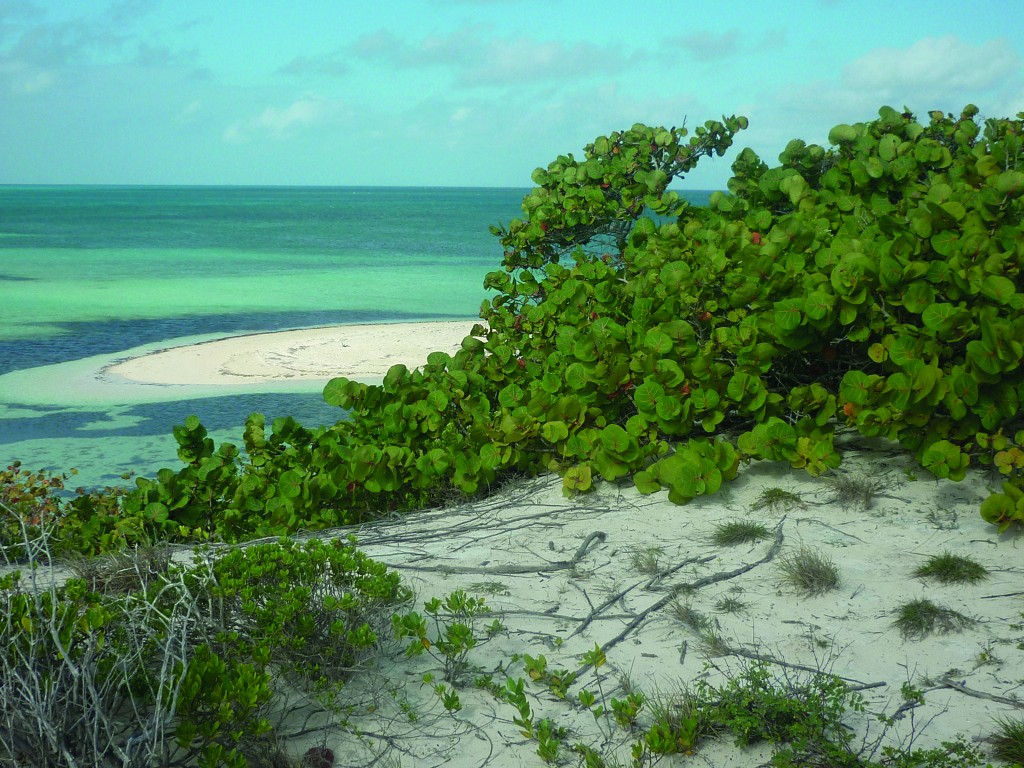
(919,618)
(809,571)
(118,573)
(855,491)
(776,499)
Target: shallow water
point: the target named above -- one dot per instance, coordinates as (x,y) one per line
(87,273)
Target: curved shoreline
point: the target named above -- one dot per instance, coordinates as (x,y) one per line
(310,354)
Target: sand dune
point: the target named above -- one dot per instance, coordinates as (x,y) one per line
(363,352)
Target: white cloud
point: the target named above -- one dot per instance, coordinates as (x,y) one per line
(283,122)
(477,58)
(708,46)
(932,67)
(190,111)
(25,80)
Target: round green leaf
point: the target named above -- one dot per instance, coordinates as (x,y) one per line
(576,376)
(998,288)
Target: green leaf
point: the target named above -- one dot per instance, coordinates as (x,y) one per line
(658,341)
(646,397)
(438,400)
(855,387)
(998,288)
(616,440)
(789,314)
(577,479)
(576,376)
(917,296)
(942,317)
(554,431)
(394,377)
(818,304)
(1000,510)
(842,134)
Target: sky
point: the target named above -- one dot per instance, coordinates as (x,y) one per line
(463,92)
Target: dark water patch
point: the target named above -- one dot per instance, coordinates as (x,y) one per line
(228,412)
(16,279)
(84,339)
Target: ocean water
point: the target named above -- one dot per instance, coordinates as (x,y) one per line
(89,275)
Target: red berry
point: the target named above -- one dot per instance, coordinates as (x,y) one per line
(544,226)
(704,316)
(850,410)
(756,238)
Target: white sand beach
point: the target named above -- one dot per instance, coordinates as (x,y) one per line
(361,352)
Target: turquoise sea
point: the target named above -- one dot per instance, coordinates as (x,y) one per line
(90,275)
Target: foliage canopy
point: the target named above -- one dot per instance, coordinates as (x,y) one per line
(872,286)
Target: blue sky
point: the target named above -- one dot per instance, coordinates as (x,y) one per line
(461,92)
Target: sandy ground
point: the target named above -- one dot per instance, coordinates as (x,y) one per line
(362,352)
(647,562)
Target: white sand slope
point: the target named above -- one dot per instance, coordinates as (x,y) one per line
(624,592)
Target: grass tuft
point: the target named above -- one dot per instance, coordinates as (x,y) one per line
(730,604)
(647,560)
(690,616)
(809,571)
(1008,741)
(952,569)
(920,618)
(734,532)
(857,491)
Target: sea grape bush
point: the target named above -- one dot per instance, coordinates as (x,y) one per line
(871,285)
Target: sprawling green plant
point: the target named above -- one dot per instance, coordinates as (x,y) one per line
(872,285)
(192,663)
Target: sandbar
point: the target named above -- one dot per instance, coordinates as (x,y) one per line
(361,352)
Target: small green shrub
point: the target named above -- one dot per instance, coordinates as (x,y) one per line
(919,618)
(735,532)
(809,571)
(456,632)
(314,611)
(948,568)
(174,665)
(28,502)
